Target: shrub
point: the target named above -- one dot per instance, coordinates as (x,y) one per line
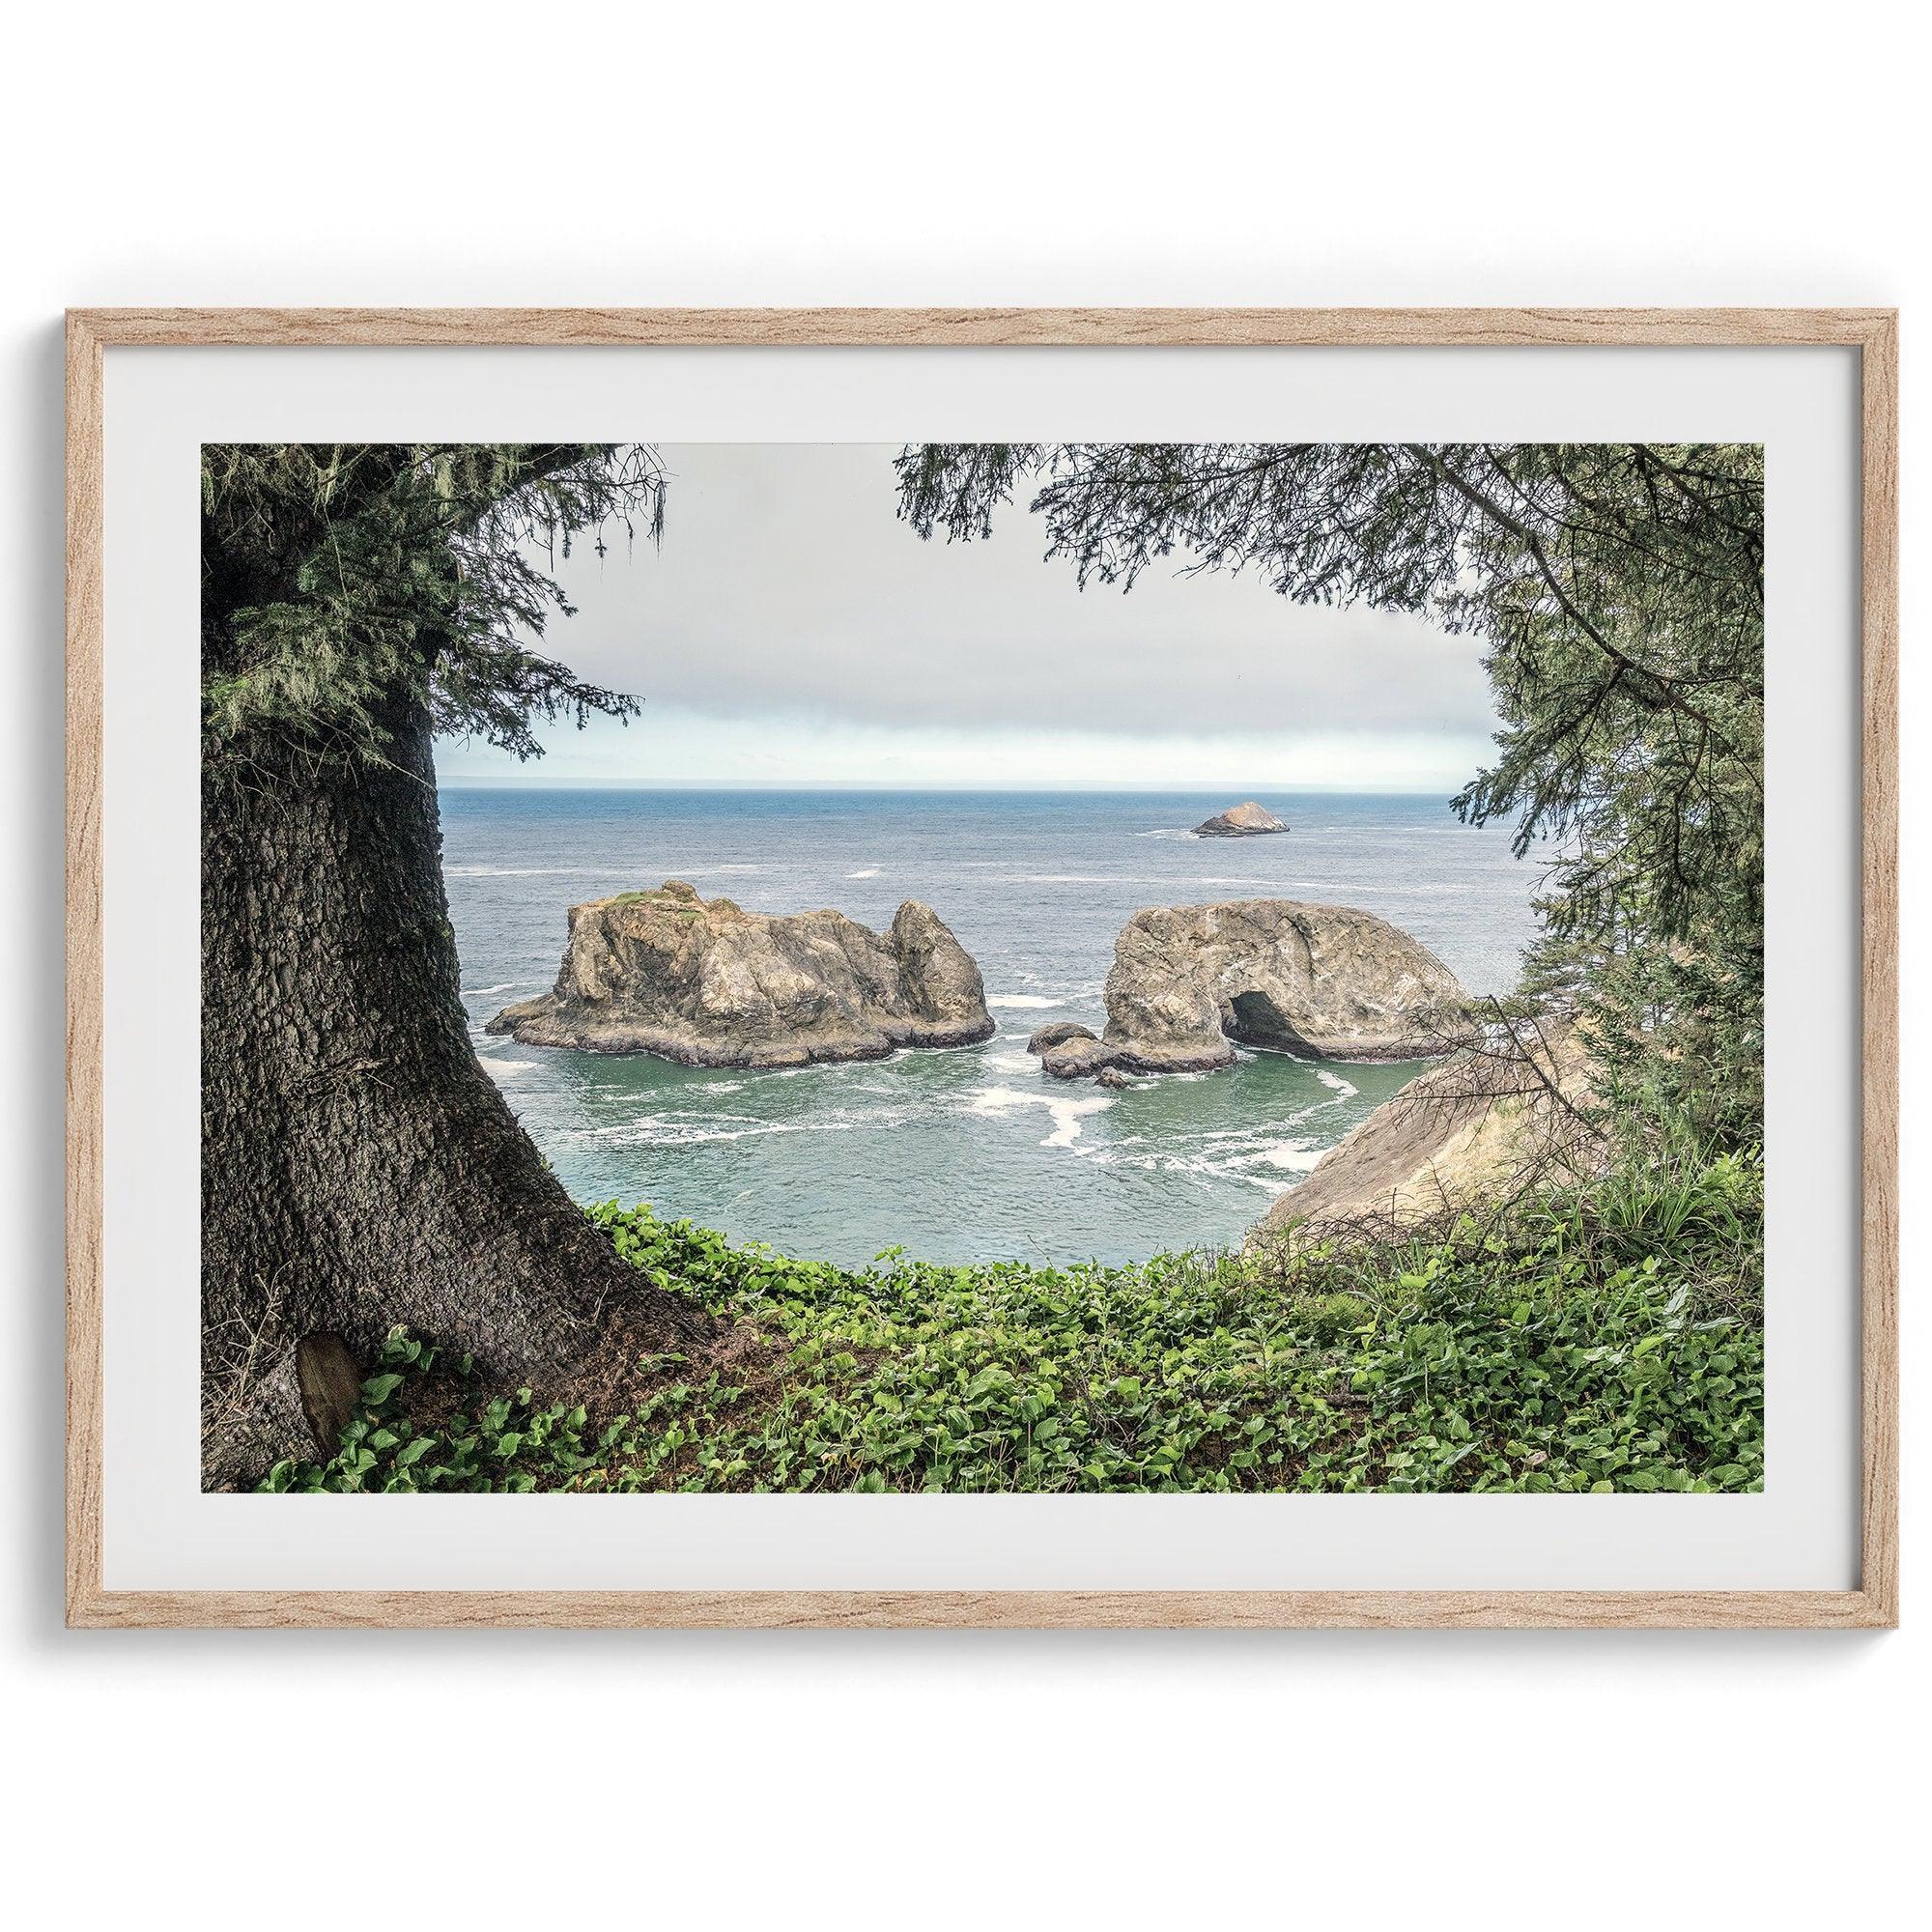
(1606,1339)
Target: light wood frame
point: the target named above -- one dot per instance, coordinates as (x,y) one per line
(1872,332)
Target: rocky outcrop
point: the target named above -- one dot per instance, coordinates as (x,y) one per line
(668,973)
(1056,1033)
(1078,1058)
(1240,821)
(1321,982)
(1463,1137)
(1070,1051)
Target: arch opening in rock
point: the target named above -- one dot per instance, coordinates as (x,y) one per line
(1317,981)
(1255,1020)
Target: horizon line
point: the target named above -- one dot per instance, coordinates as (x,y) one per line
(462,782)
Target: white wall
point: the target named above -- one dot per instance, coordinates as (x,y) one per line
(1670,153)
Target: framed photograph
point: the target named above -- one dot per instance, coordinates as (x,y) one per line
(982,967)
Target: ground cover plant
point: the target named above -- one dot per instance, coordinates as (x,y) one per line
(1591,1339)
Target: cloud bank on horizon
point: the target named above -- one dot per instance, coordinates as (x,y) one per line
(792,628)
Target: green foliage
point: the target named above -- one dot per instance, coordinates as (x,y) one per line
(503,1442)
(345,585)
(1607,1338)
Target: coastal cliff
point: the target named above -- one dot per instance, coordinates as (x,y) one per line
(710,984)
(1465,1135)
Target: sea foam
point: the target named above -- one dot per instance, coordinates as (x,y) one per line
(1068,1113)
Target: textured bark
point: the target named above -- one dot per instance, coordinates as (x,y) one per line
(331,1382)
(359,1169)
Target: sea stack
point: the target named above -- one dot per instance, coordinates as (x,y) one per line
(1189,983)
(1320,982)
(710,984)
(1240,821)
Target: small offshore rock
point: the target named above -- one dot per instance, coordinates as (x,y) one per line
(1111,1076)
(1054,1031)
(1247,820)
(1077,1058)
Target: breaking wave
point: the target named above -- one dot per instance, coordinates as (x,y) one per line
(1067,1113)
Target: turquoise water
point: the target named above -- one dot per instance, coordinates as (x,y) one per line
(970,1153)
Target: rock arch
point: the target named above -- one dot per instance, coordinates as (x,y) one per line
(1321,982)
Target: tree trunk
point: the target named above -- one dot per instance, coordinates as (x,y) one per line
(359,1169)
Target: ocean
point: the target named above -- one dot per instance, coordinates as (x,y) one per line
(970,1153)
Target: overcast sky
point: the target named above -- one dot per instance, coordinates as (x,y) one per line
(792,628)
